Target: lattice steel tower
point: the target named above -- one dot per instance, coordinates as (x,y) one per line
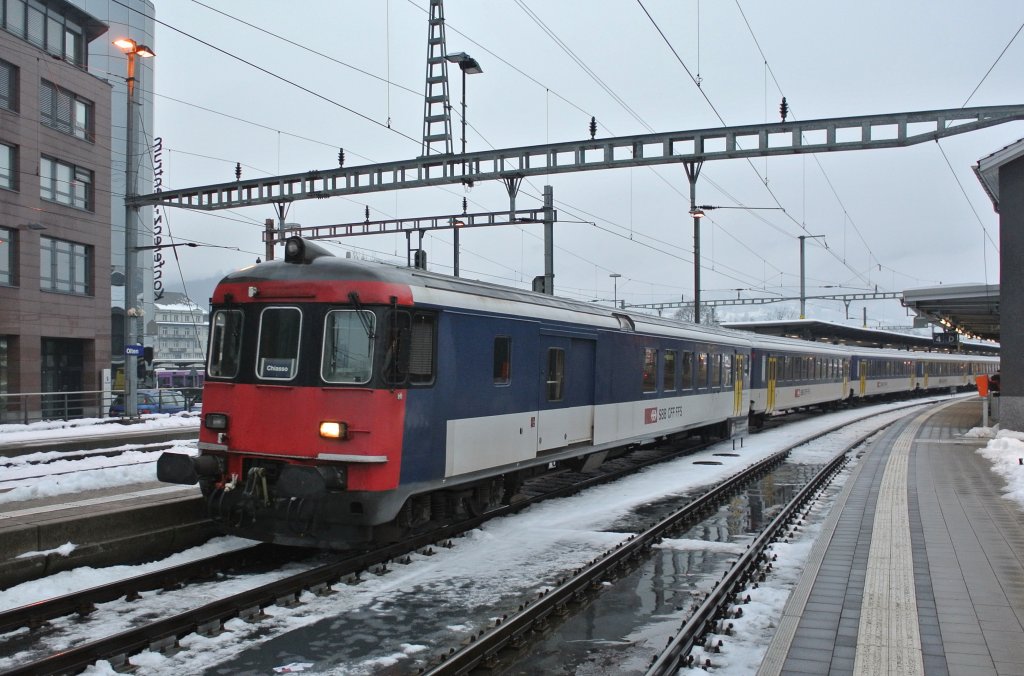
(437,123)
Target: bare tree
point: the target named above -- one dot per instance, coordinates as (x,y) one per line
(707,314)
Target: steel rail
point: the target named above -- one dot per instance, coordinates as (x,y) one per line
(34,615)
(484,647)
(165,633)
(704,619)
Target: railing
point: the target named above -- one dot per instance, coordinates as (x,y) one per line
(28,407)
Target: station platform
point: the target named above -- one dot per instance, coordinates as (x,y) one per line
(919,569)
(106,526)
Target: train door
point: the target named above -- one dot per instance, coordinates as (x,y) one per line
(862,373)
(769,379)
(737,379)
(913,375)
(846,377)
(565,411)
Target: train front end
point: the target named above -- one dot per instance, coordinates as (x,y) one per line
(302,428)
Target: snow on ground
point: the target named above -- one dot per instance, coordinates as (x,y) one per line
(83,428)
(1006,453)
(88,471)
(496,563)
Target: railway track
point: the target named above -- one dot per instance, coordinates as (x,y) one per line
(53,465)
(89,440)
(163,634)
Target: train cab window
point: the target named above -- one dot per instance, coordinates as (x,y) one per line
(409,353)
(556,374)
(686,381)
(650,370)
(225,344)
(278,351)
(668,379)
(502,360)
(348,346)
(702,370)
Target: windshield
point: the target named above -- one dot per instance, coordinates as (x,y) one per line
(225,343)
(280,328)
(348,346)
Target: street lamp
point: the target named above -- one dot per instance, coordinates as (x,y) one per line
(615,281)
(131,48)
(469,66)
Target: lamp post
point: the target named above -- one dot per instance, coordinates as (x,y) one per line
(803,286)
(132,315)
(468,65)
(615,294)
(697,213)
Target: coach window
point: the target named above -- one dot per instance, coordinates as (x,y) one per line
(502,360)
(702,370)
(348,346)
(556,373)
(716,370)
(278,355)
(225,344)
(727,370)
(650,370)
(668,379)
(687,371)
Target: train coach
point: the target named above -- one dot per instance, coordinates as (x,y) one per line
(348,402)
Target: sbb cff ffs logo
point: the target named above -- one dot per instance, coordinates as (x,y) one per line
(654,415)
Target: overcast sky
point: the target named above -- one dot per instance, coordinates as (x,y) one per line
(895,219)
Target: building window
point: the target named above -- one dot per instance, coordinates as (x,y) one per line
(64,111)
(6,257)
(8,86)
(65,183)
(65,266)
(44,27)
(8,167)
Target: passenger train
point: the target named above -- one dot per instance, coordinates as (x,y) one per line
(348,402)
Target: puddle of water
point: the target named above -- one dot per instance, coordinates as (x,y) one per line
(617,632)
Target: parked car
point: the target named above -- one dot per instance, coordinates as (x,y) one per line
(152,401)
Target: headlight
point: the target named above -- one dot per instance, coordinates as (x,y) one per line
(215,421)
(334,430)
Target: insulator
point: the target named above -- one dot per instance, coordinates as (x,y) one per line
(341,157)
(593,127)
(465,205)
(783,109)
(367,212)
(238,171)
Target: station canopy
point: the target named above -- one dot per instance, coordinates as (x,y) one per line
(968,309)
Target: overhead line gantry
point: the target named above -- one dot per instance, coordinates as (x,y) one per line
(759,140)
(512,165)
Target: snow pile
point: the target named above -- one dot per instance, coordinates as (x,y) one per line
(1006,453)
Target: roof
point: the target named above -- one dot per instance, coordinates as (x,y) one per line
(965,308)
(987,169)
(834,332)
